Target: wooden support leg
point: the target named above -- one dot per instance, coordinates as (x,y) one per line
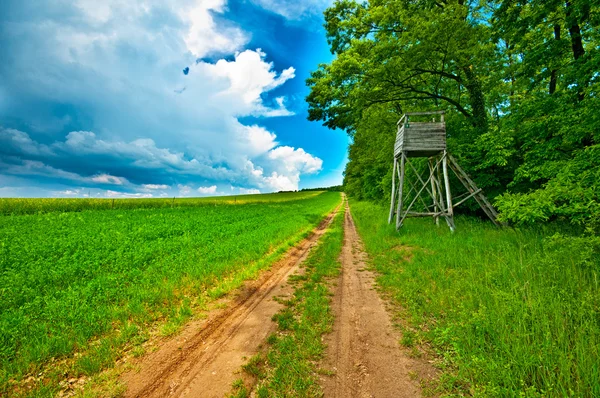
(450,210)
(393,191)
(400,192)
(433,191)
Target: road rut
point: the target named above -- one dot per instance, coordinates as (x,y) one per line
(202,361)
(363,350)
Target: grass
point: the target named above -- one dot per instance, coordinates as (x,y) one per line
(17,206)
(509,312)
(288,368)
(77,287)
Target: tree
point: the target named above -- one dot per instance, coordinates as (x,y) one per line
(519,80)
(413,54)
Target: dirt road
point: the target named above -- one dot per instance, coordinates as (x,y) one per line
(363,350)
(205,359)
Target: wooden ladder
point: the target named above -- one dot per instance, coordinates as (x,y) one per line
(474,191)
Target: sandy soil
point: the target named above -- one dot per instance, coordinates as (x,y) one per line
(363,351)
(206,357)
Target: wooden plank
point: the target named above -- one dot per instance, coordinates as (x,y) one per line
(424,113)
(393,191)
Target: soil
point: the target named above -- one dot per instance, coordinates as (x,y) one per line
(363,351)
(363,354)
(206,357)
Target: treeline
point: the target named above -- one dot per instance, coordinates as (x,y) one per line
(519,81)
(335,188)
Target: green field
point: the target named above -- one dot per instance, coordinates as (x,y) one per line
(15,206)
(83,285)
(508,312)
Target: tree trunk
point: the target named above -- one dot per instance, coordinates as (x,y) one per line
(476,100)
(554,73)
(576,44)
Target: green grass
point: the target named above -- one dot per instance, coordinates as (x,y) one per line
(82,285)
(289,369)
(509,312)
(17,206)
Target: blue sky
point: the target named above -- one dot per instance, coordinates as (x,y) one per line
(148,98)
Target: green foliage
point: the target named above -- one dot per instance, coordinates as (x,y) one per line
(518,79)
(509,312)
(290,369)
(83,284)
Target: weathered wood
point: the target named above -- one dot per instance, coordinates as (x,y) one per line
(481,199)
(436,218)
(400,192)
(393,191)
(428,139)
(425,113)
(450,218)
(420,138)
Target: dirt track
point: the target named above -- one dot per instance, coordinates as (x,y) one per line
(363,350)
(202,361)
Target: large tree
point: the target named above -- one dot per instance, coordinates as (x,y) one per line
(519,79)
(413,54)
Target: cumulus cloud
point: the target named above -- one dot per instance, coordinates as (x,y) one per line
(204,36)
(208,190)
(15,141)
(248,76)
(155,186)
(108,179)
(113,108)
(296,160)
(280,168)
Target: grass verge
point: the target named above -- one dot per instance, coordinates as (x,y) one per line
(509,312)
(288,368)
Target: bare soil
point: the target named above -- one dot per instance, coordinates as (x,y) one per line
(363,351)
(206,357)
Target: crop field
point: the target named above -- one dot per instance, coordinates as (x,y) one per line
(14,206)
(78,284)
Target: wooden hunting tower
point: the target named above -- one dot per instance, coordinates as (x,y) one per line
(427,139)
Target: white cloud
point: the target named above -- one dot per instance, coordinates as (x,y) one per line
(184,190)
(115,194)
(249,76)
(108,179)
(208,190)
(155,186)
(204,36)
(295,10)
(296,160)
(256,140)
(68,192)
(120,64)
